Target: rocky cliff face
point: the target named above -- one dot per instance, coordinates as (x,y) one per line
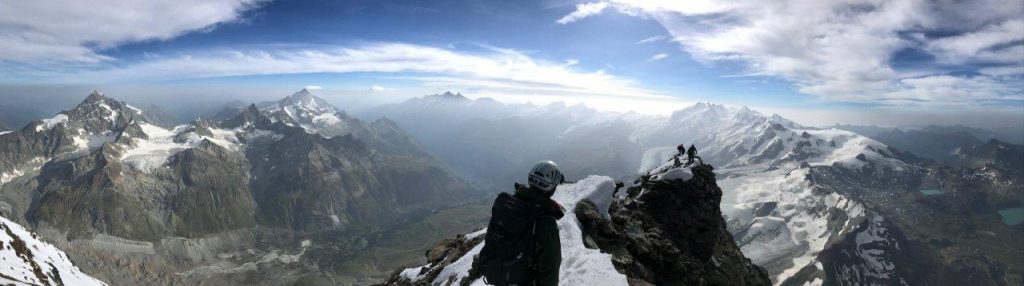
(666,231)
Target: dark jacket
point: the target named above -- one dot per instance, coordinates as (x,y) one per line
(549,249)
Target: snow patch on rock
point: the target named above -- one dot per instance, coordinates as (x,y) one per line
(49,123)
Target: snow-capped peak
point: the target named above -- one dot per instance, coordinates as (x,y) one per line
(98,119)
(303,96)
(303,106)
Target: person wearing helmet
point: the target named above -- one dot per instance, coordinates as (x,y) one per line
(522,245)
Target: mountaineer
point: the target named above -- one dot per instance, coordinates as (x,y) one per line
(522,246)
(690,154)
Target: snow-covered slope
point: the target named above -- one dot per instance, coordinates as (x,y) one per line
(779,217)
(580,265)
(25,260)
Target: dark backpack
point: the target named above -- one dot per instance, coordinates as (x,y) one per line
(510,243)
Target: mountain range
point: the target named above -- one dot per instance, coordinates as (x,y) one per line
(297,191)
(956,145)
(204,201)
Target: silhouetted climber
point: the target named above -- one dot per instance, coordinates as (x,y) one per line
(692,152)
(682,149)
(522,245)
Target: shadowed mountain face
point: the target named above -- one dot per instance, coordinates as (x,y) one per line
(958,146)
(995,153)
(100,175)
(159,116)
(936,146)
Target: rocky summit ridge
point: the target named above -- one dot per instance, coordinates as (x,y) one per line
(666,230)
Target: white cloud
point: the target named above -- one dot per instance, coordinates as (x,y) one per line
(313,87)
(843,50)
(504,70)
(652,39)
(1012,70)
(657,57)
(73,30)
(978,45)
(377,88)
(582,11)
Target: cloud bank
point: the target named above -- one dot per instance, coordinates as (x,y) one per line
(495,71)
(968,52)
(73,30)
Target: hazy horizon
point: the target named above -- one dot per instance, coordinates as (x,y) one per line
(49,99)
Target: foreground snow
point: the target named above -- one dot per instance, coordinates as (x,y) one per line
(25,260)
(580,265)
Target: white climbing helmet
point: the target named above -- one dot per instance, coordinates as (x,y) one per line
(545,176)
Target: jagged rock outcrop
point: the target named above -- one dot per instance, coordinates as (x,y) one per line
(667,231)
(671,233)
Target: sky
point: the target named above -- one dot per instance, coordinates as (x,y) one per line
(817,62)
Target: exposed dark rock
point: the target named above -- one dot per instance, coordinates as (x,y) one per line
(212,191)
(672,234)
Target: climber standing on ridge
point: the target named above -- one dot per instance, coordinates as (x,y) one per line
(521,246)
(682,149)
(692,152)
